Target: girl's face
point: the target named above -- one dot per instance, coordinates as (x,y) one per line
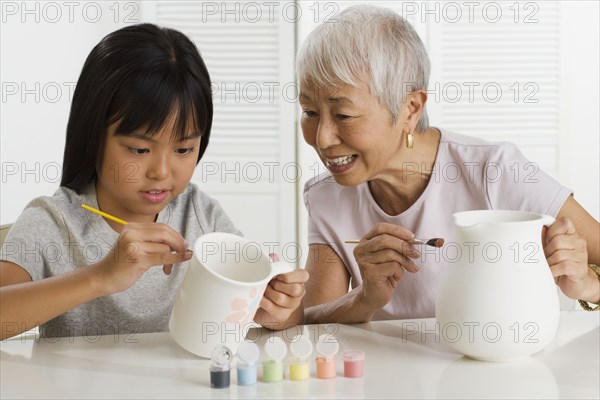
(351,131)
(140,175)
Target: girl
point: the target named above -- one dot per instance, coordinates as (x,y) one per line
(140,122)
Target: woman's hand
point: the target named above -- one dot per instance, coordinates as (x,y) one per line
(282,299)
(140,246)
(382,256)
(567,256)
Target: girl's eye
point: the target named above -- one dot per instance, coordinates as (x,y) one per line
(137,151)
(184,151)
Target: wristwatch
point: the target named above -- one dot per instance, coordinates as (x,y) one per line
(584,304)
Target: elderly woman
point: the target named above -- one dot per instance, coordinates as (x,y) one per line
(363,81)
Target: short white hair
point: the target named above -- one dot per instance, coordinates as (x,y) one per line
(368,42)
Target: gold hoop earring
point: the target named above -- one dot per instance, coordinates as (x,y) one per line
(410,140)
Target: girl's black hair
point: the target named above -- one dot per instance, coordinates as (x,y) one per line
(138,75)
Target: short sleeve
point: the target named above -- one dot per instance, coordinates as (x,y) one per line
(221,221)
(211,216)
(515,183)
(314,233)
(34,240)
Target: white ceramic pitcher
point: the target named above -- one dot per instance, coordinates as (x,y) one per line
(221,292)
(499,301)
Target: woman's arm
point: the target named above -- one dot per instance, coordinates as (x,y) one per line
(327,298)
(571,243)
(383,255)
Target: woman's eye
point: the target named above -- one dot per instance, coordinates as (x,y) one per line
(343,117)
(309,113)
(137,151)
(184,151)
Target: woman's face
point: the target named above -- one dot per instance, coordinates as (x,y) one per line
(140,174)
(351,132)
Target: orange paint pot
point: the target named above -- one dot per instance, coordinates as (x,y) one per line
(326,367)
(327,346)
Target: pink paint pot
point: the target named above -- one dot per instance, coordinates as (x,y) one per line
(354,363)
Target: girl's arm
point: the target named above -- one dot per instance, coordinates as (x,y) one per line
(26,304)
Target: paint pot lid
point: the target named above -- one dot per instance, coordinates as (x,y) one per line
(276,348)
(248,352)
(328,345)
(221,355)
(301,347)
(354,355)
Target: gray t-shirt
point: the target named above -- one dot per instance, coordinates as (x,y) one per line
(55,235)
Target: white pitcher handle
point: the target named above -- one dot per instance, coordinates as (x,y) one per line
(281,267)
(548,220)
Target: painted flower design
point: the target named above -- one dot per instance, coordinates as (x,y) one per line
(243,310)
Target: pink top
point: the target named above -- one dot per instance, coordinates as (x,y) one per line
(469,174)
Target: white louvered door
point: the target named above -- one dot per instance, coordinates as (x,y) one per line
(495,69)
(496,75)
(250,163)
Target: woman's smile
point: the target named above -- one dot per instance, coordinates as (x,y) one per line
(340,164)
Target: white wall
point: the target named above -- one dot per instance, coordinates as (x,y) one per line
(42,49)
(580,42)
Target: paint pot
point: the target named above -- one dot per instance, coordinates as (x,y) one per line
(248,354)
(327,347)
(220,369)
(301,348)
(354,363)
(276,350)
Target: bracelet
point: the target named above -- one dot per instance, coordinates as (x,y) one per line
(584,304)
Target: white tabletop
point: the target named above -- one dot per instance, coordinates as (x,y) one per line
(404,359)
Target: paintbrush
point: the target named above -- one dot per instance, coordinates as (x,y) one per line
(435,242)
(111,217)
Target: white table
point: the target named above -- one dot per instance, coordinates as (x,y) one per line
(401,362)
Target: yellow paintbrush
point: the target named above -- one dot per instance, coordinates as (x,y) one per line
(111,217)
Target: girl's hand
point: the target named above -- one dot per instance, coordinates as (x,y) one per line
(567,256)
(382,256)
(282,297)
(140,246)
